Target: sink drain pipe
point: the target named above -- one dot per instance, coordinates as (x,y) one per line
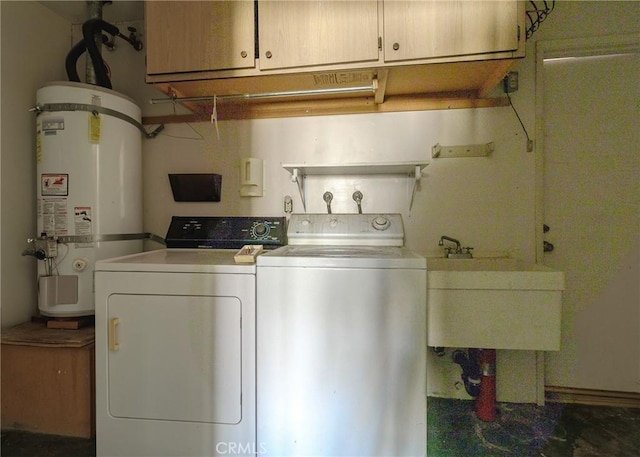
(470,370)
(486,401)
(479,377)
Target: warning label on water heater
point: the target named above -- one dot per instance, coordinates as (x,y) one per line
(54,184)
(54,216)
(83,223)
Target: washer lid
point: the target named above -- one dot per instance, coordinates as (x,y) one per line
(178,261)
(339,256)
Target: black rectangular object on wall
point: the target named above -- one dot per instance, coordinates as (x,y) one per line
(196,187)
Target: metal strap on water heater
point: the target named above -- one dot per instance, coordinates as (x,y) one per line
(115,237)
(53,107)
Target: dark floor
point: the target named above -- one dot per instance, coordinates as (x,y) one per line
(555,430)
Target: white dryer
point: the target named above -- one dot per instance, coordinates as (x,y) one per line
(175,342)
(341,340)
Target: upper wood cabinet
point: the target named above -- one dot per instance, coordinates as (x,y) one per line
(251,52)
(220,39)
(305,33)
(428,29)
(186,36)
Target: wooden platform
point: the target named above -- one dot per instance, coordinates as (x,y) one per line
(38,334)
(48,380)
(71,323)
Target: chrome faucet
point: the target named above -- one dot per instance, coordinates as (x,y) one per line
(458,253)
(453,240)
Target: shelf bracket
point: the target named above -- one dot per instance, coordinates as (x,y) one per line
(298,179)
(417,176)
(380,85)
(469,150)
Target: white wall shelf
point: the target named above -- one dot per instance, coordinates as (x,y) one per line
(412,170)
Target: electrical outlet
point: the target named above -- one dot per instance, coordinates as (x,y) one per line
(288,204)
(510,82)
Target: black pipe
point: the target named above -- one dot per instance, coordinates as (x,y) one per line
(89,30)
(470,370)
(71,62)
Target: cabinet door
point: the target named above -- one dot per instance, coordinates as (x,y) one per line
(426,29)
(304,33)
(185,36)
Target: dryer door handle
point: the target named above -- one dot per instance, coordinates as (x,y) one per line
(113,340)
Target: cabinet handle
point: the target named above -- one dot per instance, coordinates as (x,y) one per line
(396,46)
(113,341)
(243,54)
(268,54)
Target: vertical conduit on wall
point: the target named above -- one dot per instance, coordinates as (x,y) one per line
(94,11)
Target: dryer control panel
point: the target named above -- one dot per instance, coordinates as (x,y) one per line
(226,232)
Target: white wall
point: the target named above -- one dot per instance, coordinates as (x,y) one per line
(34,44)
(465,198)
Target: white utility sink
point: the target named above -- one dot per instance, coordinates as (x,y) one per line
(496,303)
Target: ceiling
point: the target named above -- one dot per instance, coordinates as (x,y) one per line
(116,11)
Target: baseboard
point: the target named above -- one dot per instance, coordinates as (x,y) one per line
(555,394)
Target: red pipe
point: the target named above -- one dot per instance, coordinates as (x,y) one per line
(486,402)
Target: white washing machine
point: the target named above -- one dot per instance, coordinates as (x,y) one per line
(341,340)
(175,342)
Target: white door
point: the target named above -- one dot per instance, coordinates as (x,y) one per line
(592,205)
(175,357)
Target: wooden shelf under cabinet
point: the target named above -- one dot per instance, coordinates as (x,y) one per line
(404,88)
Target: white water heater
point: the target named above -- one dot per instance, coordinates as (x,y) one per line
(89,189)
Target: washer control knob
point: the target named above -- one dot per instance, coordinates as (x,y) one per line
(260,229)
(380,223)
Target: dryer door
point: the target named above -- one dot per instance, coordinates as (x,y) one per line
(175,357)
